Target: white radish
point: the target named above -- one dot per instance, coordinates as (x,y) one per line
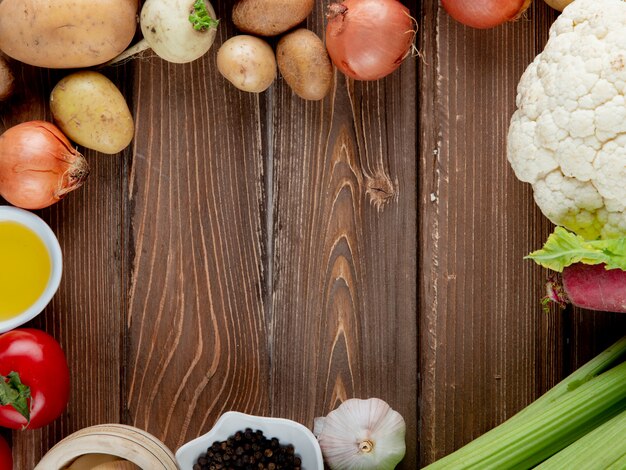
(178,31)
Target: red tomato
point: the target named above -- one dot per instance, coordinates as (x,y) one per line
(41,365)
(6,458)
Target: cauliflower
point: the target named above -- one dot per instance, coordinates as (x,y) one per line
(568,135)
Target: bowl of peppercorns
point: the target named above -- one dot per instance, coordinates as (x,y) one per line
(242,441)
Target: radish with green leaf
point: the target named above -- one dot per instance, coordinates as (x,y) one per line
(178,31)
(593,273)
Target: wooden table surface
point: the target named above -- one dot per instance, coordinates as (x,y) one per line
(274,256)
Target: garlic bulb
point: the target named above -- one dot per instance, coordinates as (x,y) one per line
(362,435)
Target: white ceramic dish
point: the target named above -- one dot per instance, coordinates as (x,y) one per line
(287,432)
(127,442)
(45,233)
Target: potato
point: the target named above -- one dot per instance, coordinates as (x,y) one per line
(66,33)
(304,64)
(270,17)
(92,112)
(6,79)
(248,63)
(559,4)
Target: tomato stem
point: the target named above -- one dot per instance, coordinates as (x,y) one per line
(13,392)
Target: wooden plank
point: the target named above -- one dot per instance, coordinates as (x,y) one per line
(487,347)
(591,332)
(86,315)
(479,300)
(197,341)
(343,319)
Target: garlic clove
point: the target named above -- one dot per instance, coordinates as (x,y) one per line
(362,434)
(318,426)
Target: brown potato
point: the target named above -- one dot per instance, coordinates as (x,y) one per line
(270,17)
(66,33)
(6,79)
(559,4)
(92,112)
(304,64)
(247,62)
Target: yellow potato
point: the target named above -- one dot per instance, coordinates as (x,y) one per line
(270,17)
(247,62)
(66,33)
(92,112)
(7,80)
(559,4)
(304,64)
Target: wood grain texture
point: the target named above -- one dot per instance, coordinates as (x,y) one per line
(86,316)
(269,255)
(487,349)
(343,319)
(286,286)
(197,342)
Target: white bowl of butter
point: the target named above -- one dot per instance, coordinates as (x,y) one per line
(31,265)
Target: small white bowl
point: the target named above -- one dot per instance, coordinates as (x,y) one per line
(285,430)
(45,233)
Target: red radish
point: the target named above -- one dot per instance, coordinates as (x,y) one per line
(595,288)
(585,280)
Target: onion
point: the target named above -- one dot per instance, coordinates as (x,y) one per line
(485,13)
(38,165)
(369,39)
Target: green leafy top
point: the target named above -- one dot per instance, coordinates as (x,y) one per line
(200,18)
(13,392)
(564,248)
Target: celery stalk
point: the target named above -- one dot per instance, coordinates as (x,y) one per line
(600,449)
(588,397)
(608,358)
(619,464)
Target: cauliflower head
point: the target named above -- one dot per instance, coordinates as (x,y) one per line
(568,135)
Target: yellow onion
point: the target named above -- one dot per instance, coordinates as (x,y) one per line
(484,14)
(369,39)
(38,165)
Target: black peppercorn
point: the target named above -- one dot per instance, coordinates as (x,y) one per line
(251,450)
